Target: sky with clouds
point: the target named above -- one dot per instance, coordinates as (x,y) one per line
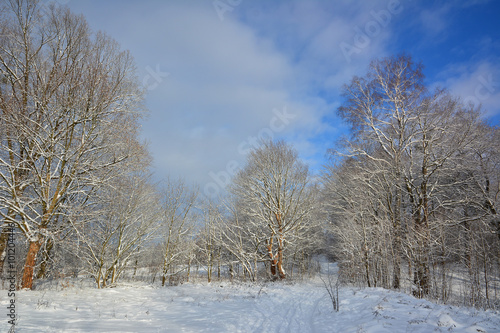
(222,73)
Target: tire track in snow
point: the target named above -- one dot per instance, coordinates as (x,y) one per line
(264,314)
(281,312)
(314,310)
(289,318)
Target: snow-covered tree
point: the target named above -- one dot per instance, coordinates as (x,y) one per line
(408,176)
(69,102)
(274,193)
(178,202)
(125,217)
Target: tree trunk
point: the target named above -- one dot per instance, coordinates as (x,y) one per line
(113,274)
(421,274)
(272,258)
(281,245)
(397,243)
(29,266)
(164,271)
(189,269)
(254,275)
(4,238)
(421,279)
(396,270)
(367,266)
(218,262)
(136,263)
(42,272)
(279,265)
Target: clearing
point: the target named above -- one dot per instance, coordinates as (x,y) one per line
(237,307)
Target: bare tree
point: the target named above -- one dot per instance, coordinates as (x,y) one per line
(380,108)
(177,220)
(359,199)
(274,192)
(208,238)
(124,220)
(242,239)
(69,101)
(407,176)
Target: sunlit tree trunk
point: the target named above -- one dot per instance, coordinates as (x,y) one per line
(30,263)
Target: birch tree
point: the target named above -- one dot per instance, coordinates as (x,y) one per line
(414,146)
(380,107)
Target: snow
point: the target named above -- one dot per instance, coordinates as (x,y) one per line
(238,307)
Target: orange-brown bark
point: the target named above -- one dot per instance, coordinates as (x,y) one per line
(29,266)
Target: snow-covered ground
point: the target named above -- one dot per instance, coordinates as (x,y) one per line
(226,307)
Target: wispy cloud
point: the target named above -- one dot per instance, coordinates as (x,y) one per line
(435,21)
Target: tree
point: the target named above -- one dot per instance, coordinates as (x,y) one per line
(358,196)
(407,143)
(178,202)
(273,189)
(125,218)
(208,238)
(241,238)
(69,101)
(379,107)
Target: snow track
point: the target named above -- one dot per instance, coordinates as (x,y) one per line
(294,312)
(225,307)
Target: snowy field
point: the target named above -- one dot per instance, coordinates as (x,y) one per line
(226,307)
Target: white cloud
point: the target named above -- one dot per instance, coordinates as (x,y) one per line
(224,83)
(228,78)
(477,83)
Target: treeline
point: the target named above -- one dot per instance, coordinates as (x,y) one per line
(409,201)
(413,197)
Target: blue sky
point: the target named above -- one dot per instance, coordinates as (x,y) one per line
(222,73)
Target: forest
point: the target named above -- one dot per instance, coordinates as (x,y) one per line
(408,201)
